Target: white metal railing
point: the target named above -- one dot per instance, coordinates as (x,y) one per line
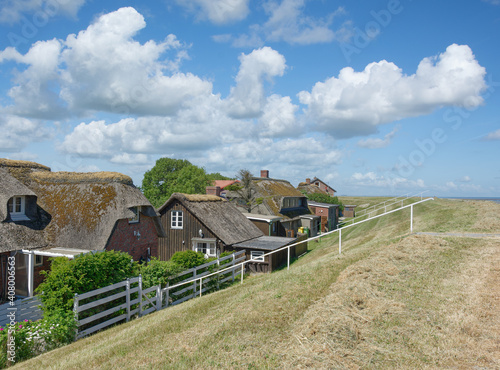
(384,205)
(339,230)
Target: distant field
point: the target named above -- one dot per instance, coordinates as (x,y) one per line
(391,300)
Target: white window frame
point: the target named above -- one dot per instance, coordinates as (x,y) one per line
(257,256)
(38,260)
(211,246)
(177,222)
(137,218)
(12,206)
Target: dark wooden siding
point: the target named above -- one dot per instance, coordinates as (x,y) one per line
(173,242)
(262,225)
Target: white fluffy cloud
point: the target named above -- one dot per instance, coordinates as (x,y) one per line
(355,103)
(103,69)
(279,118)
(217,11)
(247,98)
(18,132)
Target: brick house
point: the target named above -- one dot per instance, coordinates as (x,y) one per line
(51,214)
(329,214)
(316,186)
(276,198)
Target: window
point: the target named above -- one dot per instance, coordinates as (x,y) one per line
(38,260)
(136,218)
(257,256)
(176,221)
(205,246)
(17,208)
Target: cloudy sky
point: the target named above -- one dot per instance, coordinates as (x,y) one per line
(374,97)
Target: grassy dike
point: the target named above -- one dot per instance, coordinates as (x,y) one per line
(390,300)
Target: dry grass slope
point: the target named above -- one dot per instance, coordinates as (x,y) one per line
(391,300)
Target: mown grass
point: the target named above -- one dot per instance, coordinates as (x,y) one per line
(388,301)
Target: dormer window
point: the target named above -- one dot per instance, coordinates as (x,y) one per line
(136,218)
(17,208)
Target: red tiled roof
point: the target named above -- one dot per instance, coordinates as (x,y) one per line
(223,183)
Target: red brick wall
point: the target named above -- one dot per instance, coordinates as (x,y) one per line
(123,238)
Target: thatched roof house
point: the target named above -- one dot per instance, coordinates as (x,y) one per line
(193,220)
(83,207)
(42,211)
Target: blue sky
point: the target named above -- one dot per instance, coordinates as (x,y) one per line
(373,97)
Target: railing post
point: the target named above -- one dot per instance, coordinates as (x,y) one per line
(75,313)
(140,295)
(340,241)
(201,286)
(232,264)
(288,259)
(127,286)
(242,273)
(218,275)
(411,219)
(194,282)
(167,298)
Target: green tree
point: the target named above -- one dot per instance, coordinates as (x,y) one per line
(170,176)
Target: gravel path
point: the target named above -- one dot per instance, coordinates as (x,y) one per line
(463,235)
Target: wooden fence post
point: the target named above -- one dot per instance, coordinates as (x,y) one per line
(75,313)
(158,297)
(140,295)
(127,286)
(288,259)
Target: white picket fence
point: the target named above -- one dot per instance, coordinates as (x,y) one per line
(131,299)
(20,310)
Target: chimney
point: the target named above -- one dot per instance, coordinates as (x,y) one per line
(308,181)
(264,173)
(213,190)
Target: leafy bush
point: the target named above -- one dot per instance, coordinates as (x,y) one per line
(188,259)
(32,338)
(158,272)
(82,274)
(325,198)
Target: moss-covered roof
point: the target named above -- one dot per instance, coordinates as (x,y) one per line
(82,177)
(83,207)
(219,216)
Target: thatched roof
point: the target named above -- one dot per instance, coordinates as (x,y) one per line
(83,207)
(271,193)
(10,187)
(311,188)
(221,217)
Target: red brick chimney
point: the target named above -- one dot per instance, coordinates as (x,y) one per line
(264,173)
(308,181)
(213,190)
